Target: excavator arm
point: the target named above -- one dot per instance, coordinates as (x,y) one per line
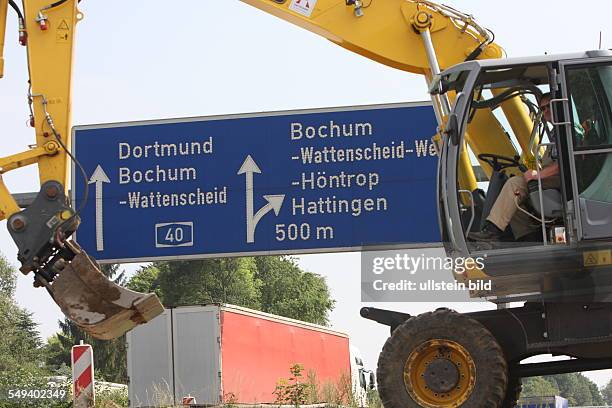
(42,230)
(388,31)
(420,37)
(417,36)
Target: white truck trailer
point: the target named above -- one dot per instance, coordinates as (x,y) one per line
(223,353)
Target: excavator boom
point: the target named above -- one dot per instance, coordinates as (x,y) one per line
(383,30)
(420,37)
(417,36)
(42,230)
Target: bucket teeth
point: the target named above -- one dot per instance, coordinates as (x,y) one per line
(99,306)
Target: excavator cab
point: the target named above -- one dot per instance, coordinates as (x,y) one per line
(561,272)
(567,252)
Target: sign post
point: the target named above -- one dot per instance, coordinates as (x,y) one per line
(83,376)
(292,182)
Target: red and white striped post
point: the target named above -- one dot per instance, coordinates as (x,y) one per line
(84,394)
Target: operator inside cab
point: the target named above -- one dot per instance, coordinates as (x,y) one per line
(506,210)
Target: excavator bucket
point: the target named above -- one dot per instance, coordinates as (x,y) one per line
(102,308)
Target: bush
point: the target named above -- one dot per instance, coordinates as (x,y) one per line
(111,398)
(292,390)
(295,391)
(374,399)
(24,380)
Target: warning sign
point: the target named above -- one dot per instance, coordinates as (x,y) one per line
(597,258)
(63,25)
(303,7)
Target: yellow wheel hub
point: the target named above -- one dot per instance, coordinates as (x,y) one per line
(440,373)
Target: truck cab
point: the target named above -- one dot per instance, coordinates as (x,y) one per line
(362,380)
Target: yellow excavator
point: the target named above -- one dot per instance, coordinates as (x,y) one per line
(488,112)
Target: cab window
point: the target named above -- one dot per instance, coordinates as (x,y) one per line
(590,101)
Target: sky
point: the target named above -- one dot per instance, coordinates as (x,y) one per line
(142,60)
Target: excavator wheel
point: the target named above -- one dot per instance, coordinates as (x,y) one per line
(442,359)
(513,392)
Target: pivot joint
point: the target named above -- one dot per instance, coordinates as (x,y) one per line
(422,21)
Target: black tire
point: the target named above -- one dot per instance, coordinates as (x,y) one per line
(491,369)
(513,392)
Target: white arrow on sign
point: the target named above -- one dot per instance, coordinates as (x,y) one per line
(275,202)
(99,177)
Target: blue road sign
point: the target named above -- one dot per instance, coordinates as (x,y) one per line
(272,183)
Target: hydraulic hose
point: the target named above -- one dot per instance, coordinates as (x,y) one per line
(16,8)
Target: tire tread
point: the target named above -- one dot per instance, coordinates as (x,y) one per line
(489,358)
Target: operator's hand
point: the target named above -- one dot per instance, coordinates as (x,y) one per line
(530,175)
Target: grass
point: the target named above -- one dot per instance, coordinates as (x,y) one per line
(295,391)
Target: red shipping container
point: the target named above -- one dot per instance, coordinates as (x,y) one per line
(258,349)
(223,353)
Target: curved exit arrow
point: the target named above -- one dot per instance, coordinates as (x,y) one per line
(275,201)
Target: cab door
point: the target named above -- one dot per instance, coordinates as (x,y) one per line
(587,90)
(453,235)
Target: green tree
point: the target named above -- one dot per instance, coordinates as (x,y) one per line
(288,291)
(8,278)
(20,346)
(208,281)
(271,284)
(575,387)
(596,394)
(20,341)
(145,280)
(538,387)
(607,393)
(56,355)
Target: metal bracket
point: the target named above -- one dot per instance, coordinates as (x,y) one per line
(552,112)
(469,227)
(555,80)
(40,229)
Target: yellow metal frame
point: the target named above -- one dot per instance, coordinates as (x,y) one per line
(398,44)
(50,65)
(388,32)
(3,12)
(384,33)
